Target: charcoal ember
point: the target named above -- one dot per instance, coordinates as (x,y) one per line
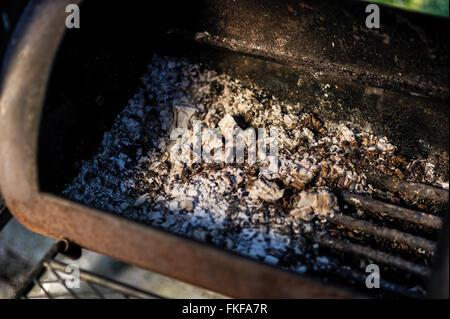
(346,135)
(183,117)
(290,140)
(320,203)
(265,190)
(298,174)
(309,135)
(227,125)
(384,145)
(142,199)
(166,119)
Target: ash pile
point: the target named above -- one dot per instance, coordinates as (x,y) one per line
(275,216)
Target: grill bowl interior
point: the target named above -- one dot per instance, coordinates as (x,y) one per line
(97,69)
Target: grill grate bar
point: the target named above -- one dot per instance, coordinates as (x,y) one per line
(355,276)
(94,279)
(375,255)
(60,280)
(393,235)
(394,184)
(41,286)
(398,212)
(95,290)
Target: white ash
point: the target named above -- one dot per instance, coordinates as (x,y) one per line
(227,124)
(306,132)
(266,191)
(240,207)
(346,134)
(321,203)
(183,116)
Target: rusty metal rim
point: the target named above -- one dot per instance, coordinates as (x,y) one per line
(29,62)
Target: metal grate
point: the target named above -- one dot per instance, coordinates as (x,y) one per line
(383,235)
(52,279)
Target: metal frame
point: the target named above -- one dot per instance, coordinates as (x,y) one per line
(23,86)
(24,80)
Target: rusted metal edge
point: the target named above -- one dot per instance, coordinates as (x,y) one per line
(174,256)
(394,184)
(386,233)
(23,89)
(397,212)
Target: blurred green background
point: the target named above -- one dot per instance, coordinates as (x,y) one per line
(436,7)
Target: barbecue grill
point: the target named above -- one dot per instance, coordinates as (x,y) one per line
(61,89)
